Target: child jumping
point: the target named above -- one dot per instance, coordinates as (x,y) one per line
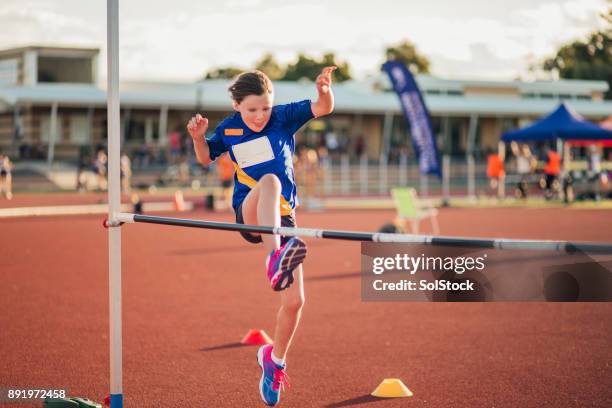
(260,140)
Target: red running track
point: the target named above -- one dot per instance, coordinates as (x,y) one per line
(189,296)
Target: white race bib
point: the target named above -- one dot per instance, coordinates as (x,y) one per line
(253,152)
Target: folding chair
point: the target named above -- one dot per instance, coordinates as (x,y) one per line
(409,208)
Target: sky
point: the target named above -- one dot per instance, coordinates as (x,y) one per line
(180,40)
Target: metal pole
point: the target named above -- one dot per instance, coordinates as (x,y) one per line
(471,169)
(424,185)
(17,130)
(403,168)
(387,129)
(90,116)
(446,160)
(446,179)
(363,174)
(114,204)
(345,182)
(163,126)
(327,176)
(383,175)
(52,134)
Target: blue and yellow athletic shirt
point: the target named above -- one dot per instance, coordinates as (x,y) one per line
(255,154)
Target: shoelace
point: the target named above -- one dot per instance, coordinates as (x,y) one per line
(274,254)
(281,379)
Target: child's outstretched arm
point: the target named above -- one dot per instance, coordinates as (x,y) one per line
(325,103)
(197,127)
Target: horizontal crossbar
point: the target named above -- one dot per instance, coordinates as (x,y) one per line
(518,244)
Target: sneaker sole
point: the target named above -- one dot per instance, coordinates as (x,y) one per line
(261,380)
(292,258)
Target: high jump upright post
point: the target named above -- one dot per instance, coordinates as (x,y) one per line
(114,204)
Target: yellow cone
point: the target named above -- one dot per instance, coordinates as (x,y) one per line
(392,388)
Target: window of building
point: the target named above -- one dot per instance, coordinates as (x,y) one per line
(79,129)
(65,69)
(142,129)
(45,129)
(9,71)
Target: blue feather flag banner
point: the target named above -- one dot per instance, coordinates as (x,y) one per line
(416,114)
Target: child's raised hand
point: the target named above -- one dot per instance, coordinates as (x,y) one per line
(324,80)
(197,126)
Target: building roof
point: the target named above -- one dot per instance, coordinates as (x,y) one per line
(52,51)
(350,97)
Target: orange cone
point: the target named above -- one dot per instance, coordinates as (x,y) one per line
(179,201)
(392,388)
(256,337)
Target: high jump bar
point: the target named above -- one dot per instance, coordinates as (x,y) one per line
(518,244)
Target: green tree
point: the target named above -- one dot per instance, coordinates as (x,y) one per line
(407,53)
(589,59)
(309,67)
(223,73)
(268,65)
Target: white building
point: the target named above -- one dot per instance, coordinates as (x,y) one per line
(51,96)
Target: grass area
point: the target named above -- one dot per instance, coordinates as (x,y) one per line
(536,203)
(465,202)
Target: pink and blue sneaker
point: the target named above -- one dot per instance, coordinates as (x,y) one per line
(273,376)
(283,261)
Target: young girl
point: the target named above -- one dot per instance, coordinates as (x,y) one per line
(260,141)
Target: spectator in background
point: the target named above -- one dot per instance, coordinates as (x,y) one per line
(183,171)
(125,165)
(82,165)
(331,142)
(307,168)
(595,170)
(225,171)
(525,163)
(495,172)
(99,168)
(142,156)
(6,178)
(24,151)
(552,169)
(567,177)
(359,146)
(174,143)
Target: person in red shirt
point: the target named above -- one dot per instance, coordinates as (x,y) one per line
(552,169)
(225,170)
(495,172)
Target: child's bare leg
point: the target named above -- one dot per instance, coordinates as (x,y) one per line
(262,207)
(292,301)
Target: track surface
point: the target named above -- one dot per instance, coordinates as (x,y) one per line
(190,295)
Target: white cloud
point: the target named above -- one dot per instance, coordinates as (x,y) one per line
(182,42)
(32,23)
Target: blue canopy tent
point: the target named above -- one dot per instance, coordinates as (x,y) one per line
(563,124)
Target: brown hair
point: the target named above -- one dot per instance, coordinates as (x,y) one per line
(250,83)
